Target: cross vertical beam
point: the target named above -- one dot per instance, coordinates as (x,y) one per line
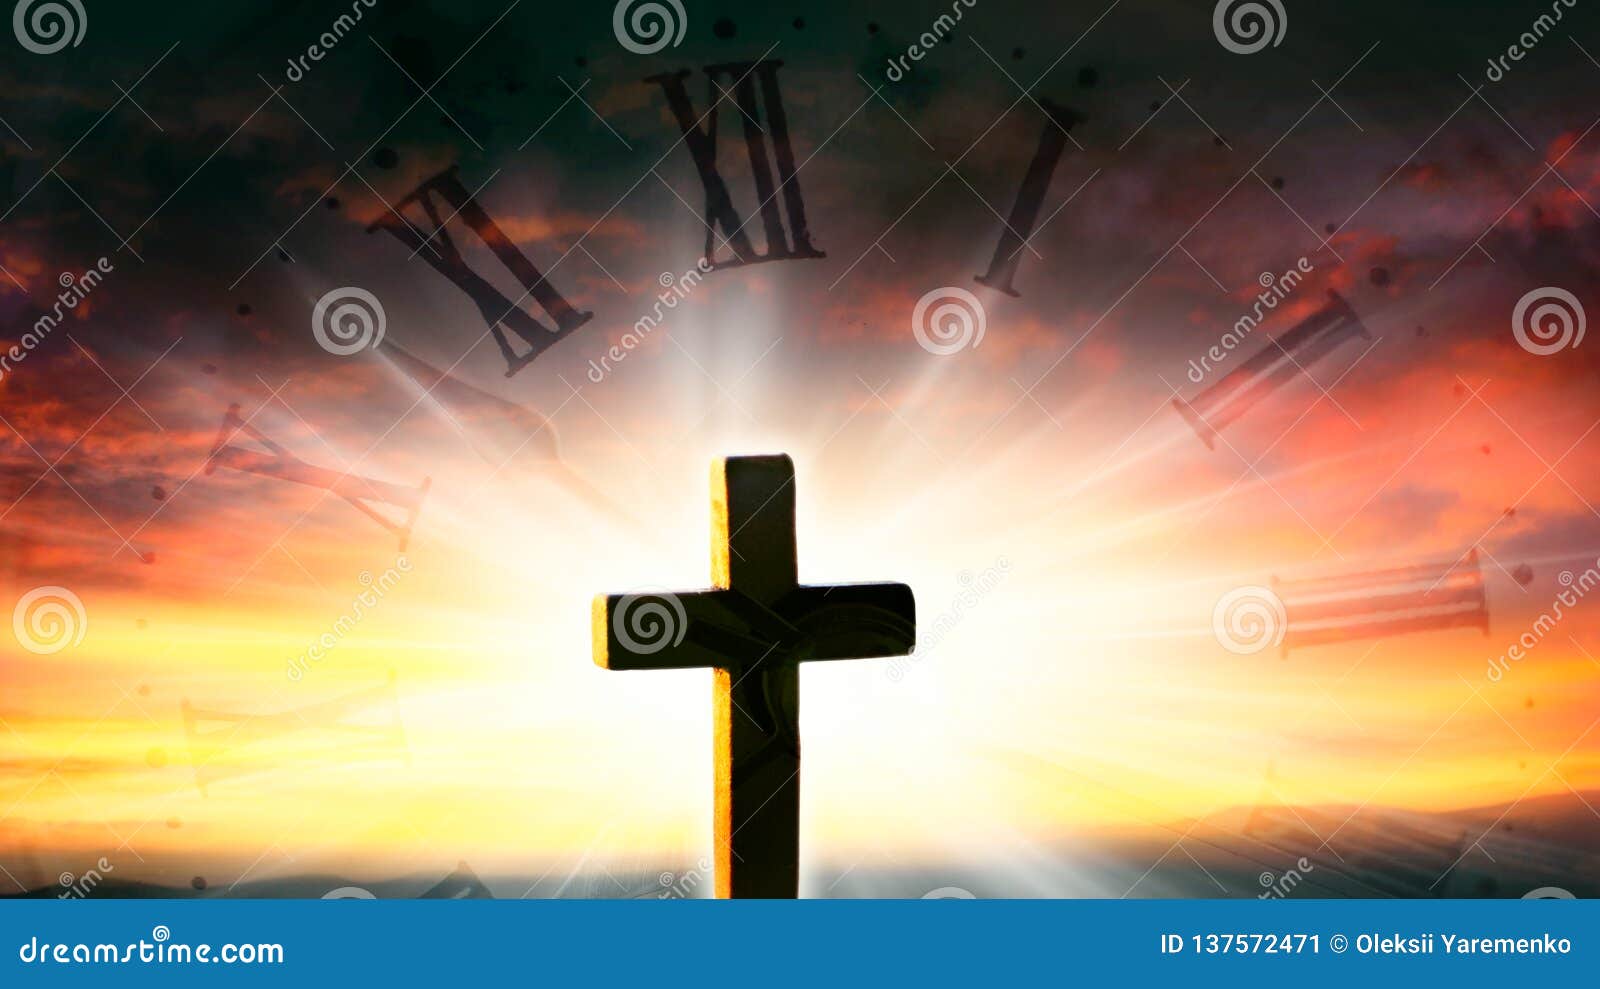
(756,710)
(753,629)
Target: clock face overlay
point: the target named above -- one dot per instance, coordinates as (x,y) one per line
(670,450)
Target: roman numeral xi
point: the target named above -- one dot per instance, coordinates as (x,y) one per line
(500,313)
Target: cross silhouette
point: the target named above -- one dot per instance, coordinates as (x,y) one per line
(753,630)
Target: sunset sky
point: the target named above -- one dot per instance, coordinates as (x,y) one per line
(1083,693)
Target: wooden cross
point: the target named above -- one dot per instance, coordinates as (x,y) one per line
(754,629)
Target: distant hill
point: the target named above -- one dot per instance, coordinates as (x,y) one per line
(1253,851)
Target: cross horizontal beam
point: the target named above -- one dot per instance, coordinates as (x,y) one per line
(727,629)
